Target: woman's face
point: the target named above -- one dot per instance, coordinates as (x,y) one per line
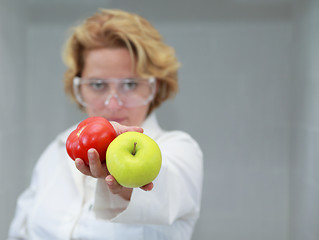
(108,63)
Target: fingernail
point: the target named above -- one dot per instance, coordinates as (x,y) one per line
(91,153)
(109,181)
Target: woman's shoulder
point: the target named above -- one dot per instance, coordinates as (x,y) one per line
(155,131)
(175,135)
(63,136)
(177,138)
(54,148)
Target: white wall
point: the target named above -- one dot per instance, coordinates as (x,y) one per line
(12,113)
(238,88)
(236,103)
(305,114)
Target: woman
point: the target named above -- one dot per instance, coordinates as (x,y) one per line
(119,68)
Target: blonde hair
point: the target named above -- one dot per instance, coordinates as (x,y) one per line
(120,29)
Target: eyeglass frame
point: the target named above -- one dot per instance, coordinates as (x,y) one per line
(77,79)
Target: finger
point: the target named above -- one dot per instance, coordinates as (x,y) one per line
(147,187)
(114,186)
(82,167)
(119,129)
(96,167)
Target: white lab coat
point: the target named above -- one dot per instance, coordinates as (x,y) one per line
(61,203)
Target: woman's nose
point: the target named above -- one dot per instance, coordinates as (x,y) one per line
(113,102)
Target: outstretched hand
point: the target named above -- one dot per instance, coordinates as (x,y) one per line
(97,169)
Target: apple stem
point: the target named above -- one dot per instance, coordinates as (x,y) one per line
(134,149)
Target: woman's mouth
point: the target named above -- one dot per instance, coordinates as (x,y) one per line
(119,120)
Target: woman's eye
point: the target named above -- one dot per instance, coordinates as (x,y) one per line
(98,85)
(129,85)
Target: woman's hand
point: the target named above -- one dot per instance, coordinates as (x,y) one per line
(97,169)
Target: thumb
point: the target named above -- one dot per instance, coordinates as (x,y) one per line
(113,184)
(119,129)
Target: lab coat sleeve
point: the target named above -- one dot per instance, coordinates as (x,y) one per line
(177,189)
(26,201)
(18,227)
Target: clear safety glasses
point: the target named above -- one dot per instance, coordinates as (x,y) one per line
(128,92)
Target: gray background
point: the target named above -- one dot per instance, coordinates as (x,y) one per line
(249,95)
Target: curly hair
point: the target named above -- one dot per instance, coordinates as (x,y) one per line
(111,28)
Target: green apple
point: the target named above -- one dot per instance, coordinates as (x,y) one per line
(133,159)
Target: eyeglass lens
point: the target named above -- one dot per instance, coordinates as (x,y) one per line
(127,92)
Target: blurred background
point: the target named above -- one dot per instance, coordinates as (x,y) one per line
(249,94)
